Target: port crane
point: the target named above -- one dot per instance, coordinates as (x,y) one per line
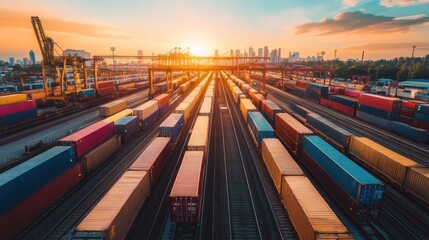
(57,67)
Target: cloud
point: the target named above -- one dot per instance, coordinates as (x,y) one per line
(401,3)
(12,19)
(381,47)
(350,3)
(358,22)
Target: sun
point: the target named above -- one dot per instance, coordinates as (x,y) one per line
(199,49)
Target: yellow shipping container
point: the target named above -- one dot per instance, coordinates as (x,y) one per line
(206,107)
(119,115)
(111,108)
(246,106)
(185,109)
(100,154)
(391,164)
(199,135)
(417,182)
(310,215)
(13,98)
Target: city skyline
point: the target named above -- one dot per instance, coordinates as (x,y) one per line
(383,29)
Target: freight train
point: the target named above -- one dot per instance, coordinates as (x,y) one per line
(30,188)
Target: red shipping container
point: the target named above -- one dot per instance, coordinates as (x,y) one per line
(105,84)
(352,93)
(90,137)
(301,84)
(325,102)
(106,91)
(23,214)
(185,195)
(153,158)
(407,112)
(406,119)
(290,84)
(412,104)
(17,107)
(342,108)
(162,99)
(386,103)
(420,124)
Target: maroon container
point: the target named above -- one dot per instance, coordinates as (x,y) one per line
(385,103)
(420,124)
(352,93)
(23,214)
(325,102)
(105,84)
(153,158)
(90,137)
(412,104)
(162,99)
(106,91)
(342,108)
(17,107)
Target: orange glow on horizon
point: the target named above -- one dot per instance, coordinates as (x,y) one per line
(199,48)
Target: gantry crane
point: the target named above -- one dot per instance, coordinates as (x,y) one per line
(58,66)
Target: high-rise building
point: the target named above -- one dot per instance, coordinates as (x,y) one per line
(32,57)
(11,61)
(273,56)
(279,58)
(140,57)
(25,61)
(265,53)
(251,52)
(237,52)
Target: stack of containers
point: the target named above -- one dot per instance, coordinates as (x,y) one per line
(206,107)
(408,109)
(119,115)
(199,136)
(153,158)
(291,132)
(300,89)
(92,160)
(269,110)
(356,190)
(29,188)
(147,112)
(353,94)
(259,127)
(337,135)
(316,91)
(257,98)
(300,110)
(172,126)
(289,85)
(127,127)
(106,88)
(114,214)
(163,103)
(84,93)
(384,107)
(15,108)
(343,104)
(111,108)
(247,106)
(421,118)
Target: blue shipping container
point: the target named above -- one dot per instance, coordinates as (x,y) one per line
(344,101)
(300,92)
(423,108)
(18,117)
(87,92)
(21,181)
(127,127)
(373,119)
(337,134)
(316,91)
(417,134)
(259,126)
(356,181)
(378,112)
(302,111)
(164,109)
(147,122)
(172,126)
(422,117)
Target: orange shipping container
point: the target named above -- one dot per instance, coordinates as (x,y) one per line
(100,154)
(310,215)
(111,108)
(417,182)
(247,106)
(199,135)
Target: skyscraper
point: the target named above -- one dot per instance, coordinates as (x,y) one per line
(251,52)
(140,57)
(265,53)
(279,58)
(32,57)
(11,61)
(25,61)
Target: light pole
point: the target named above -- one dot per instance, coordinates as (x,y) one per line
(411,63)
(113,49)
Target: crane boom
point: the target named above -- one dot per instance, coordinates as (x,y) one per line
(46,44)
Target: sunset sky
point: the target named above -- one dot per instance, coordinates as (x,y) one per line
(384,29)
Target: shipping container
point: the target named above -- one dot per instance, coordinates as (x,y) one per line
(114,214)
(325,102)
(125,86)
(301,84)
(353,94)
(389,104)
(343,100)
(89,138)
(417,182)
(423,108)
(127,127)
(421,117)
(172,126)
(23,180)
(92,160)
(86,92)
(373,119)
(257,98)
(300,110)
(146,109)
(27,211)
(316,91)
(356,181)
(343,108)
(269,110)
(163,99)
(416,134)
(185,109)
(106,91)
(14,108)
(300,92)
(13,98)
(338,135)
(291,132)
(119,115)
(411,104)
(247,106)
(206,107)
(153,158)
(420,124)
(259,127)
(278,161)
(392,165)
(111,108)
(378,112)
(18,117)
(105,84)
(199,135)
(310,215)
(185,196)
